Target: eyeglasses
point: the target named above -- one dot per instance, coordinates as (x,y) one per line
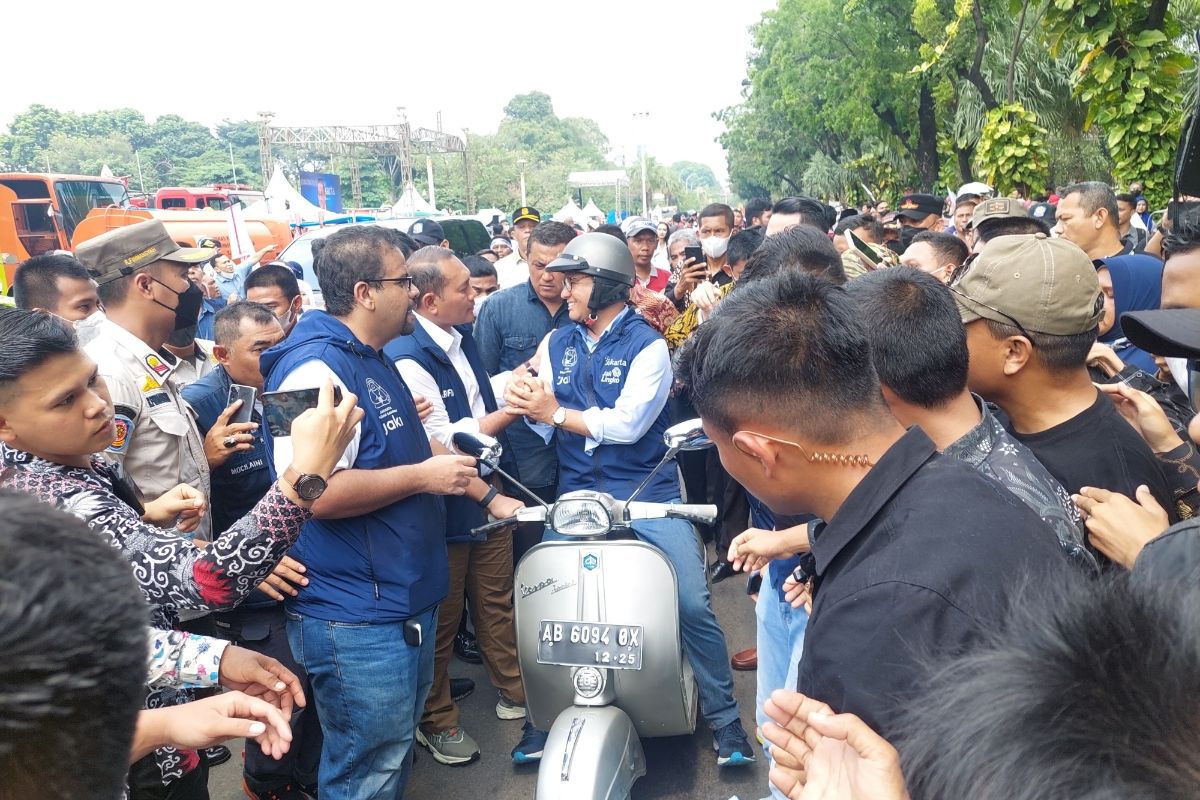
(407,280)
(994,310)
(578,280)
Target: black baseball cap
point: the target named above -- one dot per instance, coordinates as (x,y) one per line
(526,212)
(1167,332)
(919,206)
(427,232)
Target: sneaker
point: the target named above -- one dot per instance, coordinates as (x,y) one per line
(507,709)
(286,792)
(215,756)
(732,746)
(461,688)
(530,748)
(453,747)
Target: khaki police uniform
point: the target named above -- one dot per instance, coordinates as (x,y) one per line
(154,435)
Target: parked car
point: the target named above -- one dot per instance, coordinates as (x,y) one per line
(465,235)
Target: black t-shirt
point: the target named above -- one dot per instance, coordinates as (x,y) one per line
(1098,448)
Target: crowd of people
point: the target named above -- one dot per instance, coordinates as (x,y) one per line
(955,448)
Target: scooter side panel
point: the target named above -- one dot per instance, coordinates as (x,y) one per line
(590,754)
(618,582)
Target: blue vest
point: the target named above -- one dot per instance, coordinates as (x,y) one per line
(390,564)
(243,480)
(462,513)
(583,380)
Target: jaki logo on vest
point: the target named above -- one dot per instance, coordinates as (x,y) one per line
(570,357)
(392,423)
(379,395)
(611,375)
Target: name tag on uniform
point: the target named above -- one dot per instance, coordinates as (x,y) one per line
(155,399)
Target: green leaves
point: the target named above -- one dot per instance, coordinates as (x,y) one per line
(1012,149)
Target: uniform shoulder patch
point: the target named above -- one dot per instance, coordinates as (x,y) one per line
(123,417)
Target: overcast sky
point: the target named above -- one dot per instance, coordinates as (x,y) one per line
(355,61)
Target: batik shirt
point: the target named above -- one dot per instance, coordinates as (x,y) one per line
(990,449)
(172,572)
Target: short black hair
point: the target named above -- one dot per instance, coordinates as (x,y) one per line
(347,257)
(1093,196)
(407,244)
(918,342)
(1182,239)
(1058,354)
(717,210)
(30,339)
(1126,197)
(273,275)
(72,678)
(425,266)
(816,377)
(949,248)
(1010,226)
(1090,690)
(801,248)
(755,207)
(867,222)
(36,283)
(812,212)
(743,244)
(227,324)
(480,267)
(550,234)
(614,231)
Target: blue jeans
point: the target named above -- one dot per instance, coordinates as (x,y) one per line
(780,645)
(370,688)
(703,641)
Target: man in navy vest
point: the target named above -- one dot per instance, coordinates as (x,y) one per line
(440,361)
(375,551)
(601,392)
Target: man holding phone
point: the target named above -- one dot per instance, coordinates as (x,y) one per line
(227,409)
(715,227)
(375,551)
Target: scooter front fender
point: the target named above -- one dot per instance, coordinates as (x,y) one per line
(591,754)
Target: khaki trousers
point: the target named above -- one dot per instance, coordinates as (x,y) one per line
(481,572)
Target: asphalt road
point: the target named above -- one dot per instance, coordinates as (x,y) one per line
(678,768)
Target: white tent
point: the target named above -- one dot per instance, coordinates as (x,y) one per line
(570,212)
(411,204)
(592,211)
(282,200)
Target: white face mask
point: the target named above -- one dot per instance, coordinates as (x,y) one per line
(479,302)
(88,328)
(714,246)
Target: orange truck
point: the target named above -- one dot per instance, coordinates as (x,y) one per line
(41,212)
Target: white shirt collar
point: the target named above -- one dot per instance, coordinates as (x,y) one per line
(447,341)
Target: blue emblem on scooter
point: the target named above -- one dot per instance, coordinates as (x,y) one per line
(590,562)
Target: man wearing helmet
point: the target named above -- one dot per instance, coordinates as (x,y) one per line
(599,389)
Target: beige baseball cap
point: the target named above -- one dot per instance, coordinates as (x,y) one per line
(1041,284)
(123,251)
(997,208)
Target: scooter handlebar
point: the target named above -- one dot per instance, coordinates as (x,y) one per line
(527,514)
(697,513)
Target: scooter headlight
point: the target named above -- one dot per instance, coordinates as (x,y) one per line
(580,517)
(588,682)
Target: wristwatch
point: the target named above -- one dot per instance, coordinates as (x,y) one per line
(558,417)
(309,487)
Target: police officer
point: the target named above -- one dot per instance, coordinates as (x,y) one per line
(144,286)
(601,392)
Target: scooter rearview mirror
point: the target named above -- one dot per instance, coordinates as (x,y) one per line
(478,445)
(687,436)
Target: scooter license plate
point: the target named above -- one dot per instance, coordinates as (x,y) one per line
(590,644)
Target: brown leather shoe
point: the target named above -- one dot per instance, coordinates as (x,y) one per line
(745,660)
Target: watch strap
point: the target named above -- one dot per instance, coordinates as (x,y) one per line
(487,499)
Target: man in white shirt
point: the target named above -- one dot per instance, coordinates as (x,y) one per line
(440,361)
(513,269)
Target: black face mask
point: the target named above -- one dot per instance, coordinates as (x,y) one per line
(187,310)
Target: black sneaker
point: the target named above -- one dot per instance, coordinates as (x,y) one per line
(732,746)
(532,743)
(467,648)
(461,688)
(215,756)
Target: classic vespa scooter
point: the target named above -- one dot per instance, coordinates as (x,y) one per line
(598,638)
